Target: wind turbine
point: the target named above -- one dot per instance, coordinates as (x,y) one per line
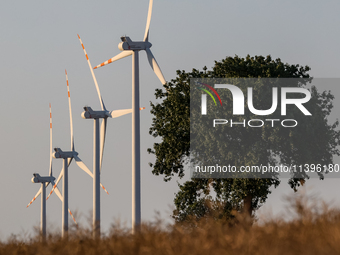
(44,183)
(67,157)
(98,149)
(129,47)
(44,180)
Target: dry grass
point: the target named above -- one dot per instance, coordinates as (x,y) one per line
(314,230)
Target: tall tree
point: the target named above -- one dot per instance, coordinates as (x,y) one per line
(172,123)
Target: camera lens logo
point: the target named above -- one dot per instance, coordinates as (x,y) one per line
(204,96)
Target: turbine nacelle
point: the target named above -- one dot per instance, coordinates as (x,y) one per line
(41,179)
(128,44)
(58,153)
(91,114)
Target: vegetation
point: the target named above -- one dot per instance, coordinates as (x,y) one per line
(315,229)
(247,146)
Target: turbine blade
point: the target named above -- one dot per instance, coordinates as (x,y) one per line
(118,113)
(69,160)
(56,183)
(73,217)
(57,192)
(35,197)
(104,189)
(146,35)
(50,169)
(102,140)
(155,67)
(94,77)
(121,55)
(70,110)
(81,164)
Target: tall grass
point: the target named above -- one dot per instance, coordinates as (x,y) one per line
(314,229)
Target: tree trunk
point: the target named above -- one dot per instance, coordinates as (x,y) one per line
(247,205)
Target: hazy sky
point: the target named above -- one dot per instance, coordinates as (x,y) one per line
(39,40)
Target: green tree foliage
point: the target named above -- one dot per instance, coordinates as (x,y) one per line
(172,123)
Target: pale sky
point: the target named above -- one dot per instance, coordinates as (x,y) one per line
(39,41)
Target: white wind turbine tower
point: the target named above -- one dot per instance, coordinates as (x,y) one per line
(67,157)
(130,47)
(98,145)
(44,183)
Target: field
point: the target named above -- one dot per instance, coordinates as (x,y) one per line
(314,229)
